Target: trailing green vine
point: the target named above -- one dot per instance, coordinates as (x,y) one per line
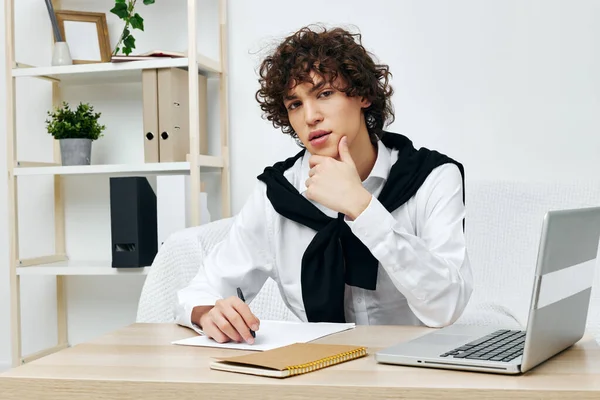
(124,9)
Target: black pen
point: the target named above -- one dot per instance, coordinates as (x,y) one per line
(241,296)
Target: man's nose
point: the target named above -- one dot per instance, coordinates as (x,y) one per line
(312,114)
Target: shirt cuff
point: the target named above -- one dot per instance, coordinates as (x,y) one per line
(186,320)
(373,224)
(197,329)
(186,317)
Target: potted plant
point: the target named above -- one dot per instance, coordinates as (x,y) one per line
(75,130)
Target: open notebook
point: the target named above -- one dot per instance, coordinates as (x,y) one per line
(294,359)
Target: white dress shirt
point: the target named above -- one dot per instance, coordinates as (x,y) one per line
(424,275)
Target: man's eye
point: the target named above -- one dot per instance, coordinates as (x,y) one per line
(293,105)
(326,93)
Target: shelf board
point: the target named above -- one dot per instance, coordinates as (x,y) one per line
(174,168)
(103,73)
(147,169)
(77,268)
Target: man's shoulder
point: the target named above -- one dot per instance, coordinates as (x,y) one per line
(293,171)
(443,180)
(448,171)
(292,167)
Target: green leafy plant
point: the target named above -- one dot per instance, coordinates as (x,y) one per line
(124,9)
(81,123)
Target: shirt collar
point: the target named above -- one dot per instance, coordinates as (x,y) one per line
(381,168)
(383,163)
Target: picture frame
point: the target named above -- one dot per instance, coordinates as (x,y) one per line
(86,34)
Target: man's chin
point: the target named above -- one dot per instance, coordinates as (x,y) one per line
(328,152)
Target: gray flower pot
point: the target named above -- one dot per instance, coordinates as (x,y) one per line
(75,151)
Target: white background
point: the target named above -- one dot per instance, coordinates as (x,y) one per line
(509,88)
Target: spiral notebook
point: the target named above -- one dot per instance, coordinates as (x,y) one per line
(286,361)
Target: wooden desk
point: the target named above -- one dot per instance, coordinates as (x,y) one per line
(138,362)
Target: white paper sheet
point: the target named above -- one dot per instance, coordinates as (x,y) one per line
(273,334)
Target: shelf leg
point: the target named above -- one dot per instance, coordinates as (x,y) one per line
(224,106)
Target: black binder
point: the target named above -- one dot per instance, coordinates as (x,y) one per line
(133,218)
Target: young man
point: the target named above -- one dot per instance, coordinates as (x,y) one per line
(358,226)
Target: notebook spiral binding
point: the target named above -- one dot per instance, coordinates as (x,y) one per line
(325,362)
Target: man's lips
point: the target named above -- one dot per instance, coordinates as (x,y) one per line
(317,134)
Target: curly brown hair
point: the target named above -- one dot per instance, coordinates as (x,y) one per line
(328,53)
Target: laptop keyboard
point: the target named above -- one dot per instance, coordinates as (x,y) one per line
(501,345)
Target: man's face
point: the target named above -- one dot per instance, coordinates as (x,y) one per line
(322,115)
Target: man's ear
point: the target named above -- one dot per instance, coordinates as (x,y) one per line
(364,103)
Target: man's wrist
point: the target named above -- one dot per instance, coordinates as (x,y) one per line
(198,312)
(359,204)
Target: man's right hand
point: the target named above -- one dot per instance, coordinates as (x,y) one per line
(229,319)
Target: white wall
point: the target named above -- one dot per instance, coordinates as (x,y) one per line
(510,88)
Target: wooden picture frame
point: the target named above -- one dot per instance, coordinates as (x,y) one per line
(86,34)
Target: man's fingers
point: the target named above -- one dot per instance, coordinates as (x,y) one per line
(250,319)
(238,323)
(344,151)
(225,326)
(212,331)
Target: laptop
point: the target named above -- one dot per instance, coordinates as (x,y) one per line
(558,310)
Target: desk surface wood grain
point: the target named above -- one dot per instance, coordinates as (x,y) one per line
(139,362)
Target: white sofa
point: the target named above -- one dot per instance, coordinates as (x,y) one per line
(503,228)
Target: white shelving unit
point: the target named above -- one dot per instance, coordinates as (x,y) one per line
(82,74)
(167,168)
(59,264)
(78,268)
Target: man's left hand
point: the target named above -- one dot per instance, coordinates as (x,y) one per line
(336,184)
